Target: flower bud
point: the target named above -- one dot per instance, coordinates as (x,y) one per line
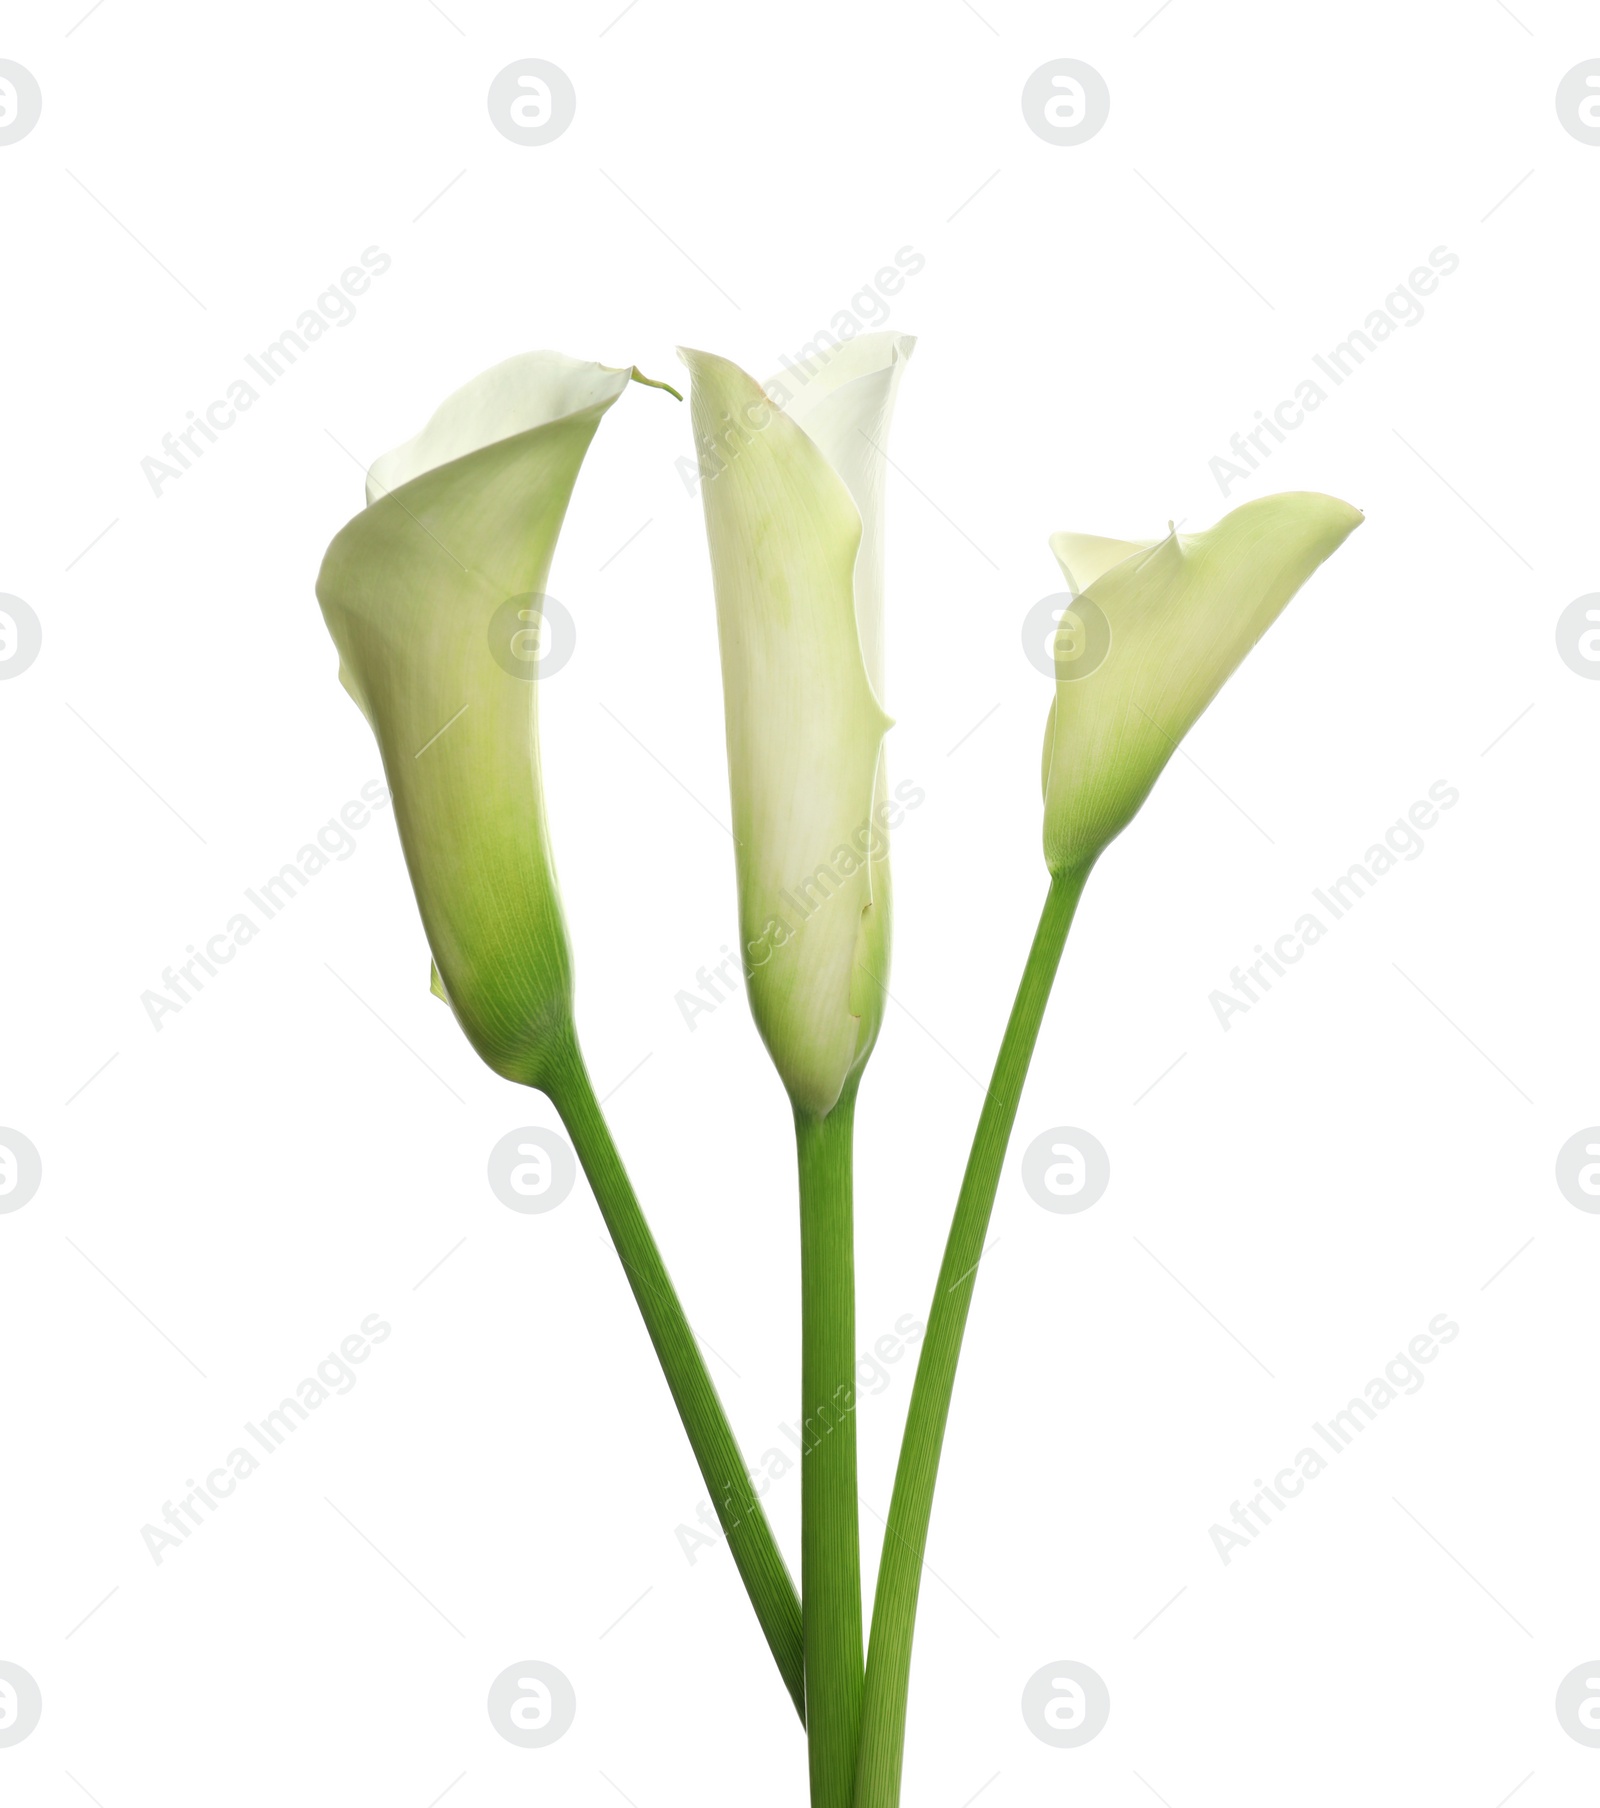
(793,494)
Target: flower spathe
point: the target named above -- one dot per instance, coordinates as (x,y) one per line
(449,559)
(1157,628)
(793,496)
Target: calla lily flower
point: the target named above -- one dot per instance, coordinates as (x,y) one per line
(434,596)
(1155,631)
(793,491)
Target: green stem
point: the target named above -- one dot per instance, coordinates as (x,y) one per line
(830,1539)
(894,1613)
(755,1550)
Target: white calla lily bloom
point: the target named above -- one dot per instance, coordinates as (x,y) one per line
(428,593)
(793,493)
(1156,629)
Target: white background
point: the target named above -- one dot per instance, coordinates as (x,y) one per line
(1363,1150)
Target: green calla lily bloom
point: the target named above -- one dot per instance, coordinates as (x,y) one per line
(1155,631)
(793,494)
(434,596)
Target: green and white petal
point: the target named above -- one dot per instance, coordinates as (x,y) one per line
(804,724)
(846,408)
(446,567)
(1182,613)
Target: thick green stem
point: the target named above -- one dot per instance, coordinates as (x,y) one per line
(755,1550)
(894,1613)
(830,1539)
